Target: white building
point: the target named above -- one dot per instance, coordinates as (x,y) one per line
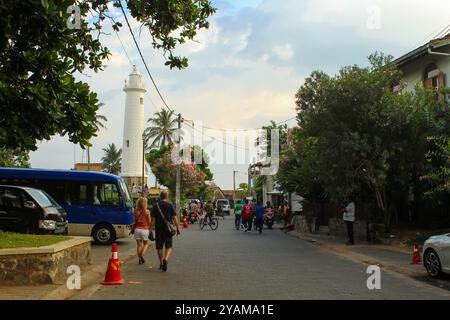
(428,64)
(132,150)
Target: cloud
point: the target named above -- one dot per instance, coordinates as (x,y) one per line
(284,52)
(245,70)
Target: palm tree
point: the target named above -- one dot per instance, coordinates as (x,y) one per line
(162,127)
(111,162)
(98,124)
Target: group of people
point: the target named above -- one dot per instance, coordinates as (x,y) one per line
(246,212)
(161,215)
(140,189)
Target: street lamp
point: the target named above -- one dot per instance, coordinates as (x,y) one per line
(143,162)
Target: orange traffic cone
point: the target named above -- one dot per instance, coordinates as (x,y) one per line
(112,276)
(185,223)
(416,255)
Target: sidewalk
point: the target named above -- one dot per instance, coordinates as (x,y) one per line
(90,277)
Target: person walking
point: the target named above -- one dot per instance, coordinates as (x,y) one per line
(247,216)
(349,219)
(142,222)
(253,204)
(145,190)
(162,213)
(133,189)
(259,215)
(237,215)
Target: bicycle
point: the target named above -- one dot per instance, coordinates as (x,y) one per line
(213,223)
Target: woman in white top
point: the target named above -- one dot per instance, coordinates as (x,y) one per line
(349,219)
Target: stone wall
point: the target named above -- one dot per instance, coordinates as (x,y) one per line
(44,265)
(305,224)
(339,229)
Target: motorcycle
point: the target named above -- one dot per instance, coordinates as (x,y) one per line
(269,217)
(193,217)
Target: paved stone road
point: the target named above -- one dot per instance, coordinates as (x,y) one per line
(229,264)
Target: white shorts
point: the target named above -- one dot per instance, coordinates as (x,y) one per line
(141,234)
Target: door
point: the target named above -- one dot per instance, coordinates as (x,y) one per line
(107,203)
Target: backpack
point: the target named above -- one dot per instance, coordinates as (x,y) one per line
(247,211)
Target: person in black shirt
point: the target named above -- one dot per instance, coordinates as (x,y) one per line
(161,238)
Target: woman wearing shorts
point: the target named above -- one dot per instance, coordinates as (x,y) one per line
(142,221)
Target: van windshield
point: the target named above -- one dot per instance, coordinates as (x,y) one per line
(42,199)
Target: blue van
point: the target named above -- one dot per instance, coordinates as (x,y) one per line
(97,204)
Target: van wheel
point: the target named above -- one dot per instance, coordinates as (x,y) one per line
(104,234)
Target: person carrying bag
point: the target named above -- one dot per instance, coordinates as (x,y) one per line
(166,226)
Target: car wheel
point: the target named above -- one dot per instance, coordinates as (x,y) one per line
(432,263)
(104,234)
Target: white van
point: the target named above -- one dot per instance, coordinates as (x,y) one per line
(225,205)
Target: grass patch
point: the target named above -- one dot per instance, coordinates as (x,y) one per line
(10,240)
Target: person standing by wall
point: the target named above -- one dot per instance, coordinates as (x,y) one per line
(285,213)
(164,210)
(133,189)
(349,219)
(142,222)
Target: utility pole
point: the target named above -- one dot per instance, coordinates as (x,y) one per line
(177,189)
(250,180)
(234,184)
(143,162)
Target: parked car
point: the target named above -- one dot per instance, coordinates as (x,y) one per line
(225,203)
(436,255)
(30,210)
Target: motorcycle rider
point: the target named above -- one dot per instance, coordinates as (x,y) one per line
(268,214)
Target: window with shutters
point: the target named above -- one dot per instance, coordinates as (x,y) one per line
(434,78)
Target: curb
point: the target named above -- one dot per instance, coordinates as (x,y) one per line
(355,256)
(90,278)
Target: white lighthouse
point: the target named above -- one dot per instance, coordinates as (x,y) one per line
(132,150)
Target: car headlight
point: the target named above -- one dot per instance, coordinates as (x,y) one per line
(47,224)
(50,210)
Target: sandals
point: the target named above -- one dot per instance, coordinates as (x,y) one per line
(141,260)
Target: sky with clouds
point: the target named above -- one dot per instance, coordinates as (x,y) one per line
(246,68)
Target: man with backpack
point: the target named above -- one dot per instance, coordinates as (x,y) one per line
(247,216)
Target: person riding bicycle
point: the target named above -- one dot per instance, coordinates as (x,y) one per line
(209,208)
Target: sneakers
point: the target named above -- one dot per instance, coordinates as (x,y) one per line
(164,266)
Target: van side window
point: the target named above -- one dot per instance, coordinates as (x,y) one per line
(106,194)
(11,199)
(81,194)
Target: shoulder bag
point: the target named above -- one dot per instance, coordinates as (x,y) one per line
(171,230)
